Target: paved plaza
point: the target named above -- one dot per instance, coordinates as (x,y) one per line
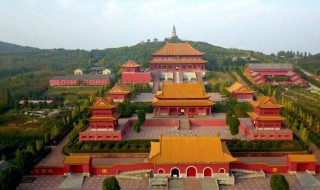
(95,182)
(143,97)
(155,132)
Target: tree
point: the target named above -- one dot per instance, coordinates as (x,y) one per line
(234,125)
(141,116)
(228,116)
(24,161)
(279,182)
(111,183)
(137,126)
(10,178)
(305,136)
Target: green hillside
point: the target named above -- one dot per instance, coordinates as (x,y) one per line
(22,67)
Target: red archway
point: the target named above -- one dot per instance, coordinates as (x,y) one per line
(191,172)
(207,172)
(222,170)
(160,171)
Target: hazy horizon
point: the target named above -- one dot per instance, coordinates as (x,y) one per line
(264,26)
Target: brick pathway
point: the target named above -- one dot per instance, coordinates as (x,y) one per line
(92,183)
(55,157)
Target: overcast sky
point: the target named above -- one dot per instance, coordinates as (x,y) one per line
(260,25)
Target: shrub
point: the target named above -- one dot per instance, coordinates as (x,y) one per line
(109,145)
(279,182)
(259,144)
(137,126)
(118,146)
(239,144)
(136,145)
(234,125)
(127,146)
(230,144)
(268,144)
(141,116)
(111,183)
(100,145)
(249,144)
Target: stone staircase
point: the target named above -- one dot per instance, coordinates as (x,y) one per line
(176,77)
(136,174)
(184,123)
(245,174)
(158,180)
(181,77)
(199,76)
(156,82)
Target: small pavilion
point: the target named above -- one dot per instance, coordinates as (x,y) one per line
(119,92)
(240,92)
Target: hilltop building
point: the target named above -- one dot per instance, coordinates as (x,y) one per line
(190,157)
(265,121)
(92,71)
(262,73)
(131,73)
(182,99)
(240,92)
(119,92)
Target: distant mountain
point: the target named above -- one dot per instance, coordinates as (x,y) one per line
(7,47)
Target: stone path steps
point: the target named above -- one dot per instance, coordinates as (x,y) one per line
(73,181)
(184,124)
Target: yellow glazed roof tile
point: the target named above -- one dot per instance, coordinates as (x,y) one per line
(182,91)
(76,159)
(302,157)
(265,118)
(266,102)
(238,87)
(188,149)
(131,63)
(103,103)
(177,49)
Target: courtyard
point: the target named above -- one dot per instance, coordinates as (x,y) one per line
(155,132)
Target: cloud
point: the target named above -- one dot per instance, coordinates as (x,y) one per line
(76,5)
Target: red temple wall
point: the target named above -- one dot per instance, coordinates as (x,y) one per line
(48,170)
(110,136)
(113,170)
(136,77)
(243,96)
(199,167)
(103,125)
(269,169)
(130,69)
(117,96)
(267,112)
(204,122)
(104,112)
(73,82)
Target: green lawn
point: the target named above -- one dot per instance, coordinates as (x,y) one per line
(74,90)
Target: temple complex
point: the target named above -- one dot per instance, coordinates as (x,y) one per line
(265,121)
(119,92)
(240,92)
(190,157)
(182,99)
